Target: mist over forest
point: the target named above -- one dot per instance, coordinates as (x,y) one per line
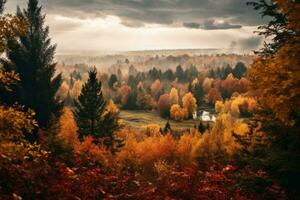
(149,99)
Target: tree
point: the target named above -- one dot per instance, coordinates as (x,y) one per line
(144,99)
(275,76)
(180,73)
(89,107)
(177,113)
(156,87)
(174,97)
(227,71)
(212,74)
(167,127)
(164,105)
(197,90)
(240,70)
(169,75)
(278,29)
(112,80)
(207,84)
(213,96)
(189,103)
(201,128)
(110,123)
(31,56)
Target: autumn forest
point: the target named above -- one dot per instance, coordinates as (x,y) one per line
(168,121)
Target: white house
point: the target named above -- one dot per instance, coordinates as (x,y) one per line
(205,116)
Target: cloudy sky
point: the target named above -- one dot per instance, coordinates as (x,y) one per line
(122,25)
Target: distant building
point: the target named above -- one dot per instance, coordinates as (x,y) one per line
(195,115)
(207,117)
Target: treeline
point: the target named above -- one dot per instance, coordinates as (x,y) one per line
(85,154)
(145,90)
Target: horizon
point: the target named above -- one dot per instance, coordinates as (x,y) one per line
(77,27)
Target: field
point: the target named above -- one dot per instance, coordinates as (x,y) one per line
(139,119)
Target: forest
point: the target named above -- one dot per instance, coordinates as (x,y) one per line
(208,126)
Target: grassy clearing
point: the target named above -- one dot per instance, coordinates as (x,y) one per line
(139,119)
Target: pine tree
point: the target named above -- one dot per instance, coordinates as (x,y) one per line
(240,70)
(167,127)
(180,73)
(31,56)
(89,108)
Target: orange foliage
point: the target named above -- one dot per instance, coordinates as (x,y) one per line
(177,113)
(189,103)
(214,95)
(68,128)
(90,152)
(124,91)
(164,105)
(63,90)
(156,87)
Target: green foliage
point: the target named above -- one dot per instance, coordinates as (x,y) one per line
(31,56)
(180,73)
(89,108)
(240,70)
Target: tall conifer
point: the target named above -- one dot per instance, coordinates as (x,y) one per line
(89,108)
(31,56)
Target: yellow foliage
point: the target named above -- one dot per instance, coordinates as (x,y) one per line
(236,105)
(151,130)
(187,148)
(68,128)
(14,121)
(111,107)
(190,103)
(207,84)
(76,90)
(174,97)
(219,106)
(10,27)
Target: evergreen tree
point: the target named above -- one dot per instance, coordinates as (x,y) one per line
(112,80)
(201,127)
(212,73)
(31,56)
(180,73)
(167,127)
(89,107)
(227,71)
(198,93)
(169,75)
(240,70)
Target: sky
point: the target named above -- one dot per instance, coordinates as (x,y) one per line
(129,25)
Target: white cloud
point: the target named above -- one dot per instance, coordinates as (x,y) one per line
(109,34)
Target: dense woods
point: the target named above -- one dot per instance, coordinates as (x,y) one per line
(62,137)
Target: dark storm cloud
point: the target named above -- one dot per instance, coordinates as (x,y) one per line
(140,12)
(212,25)
(252,43)
(247,44)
